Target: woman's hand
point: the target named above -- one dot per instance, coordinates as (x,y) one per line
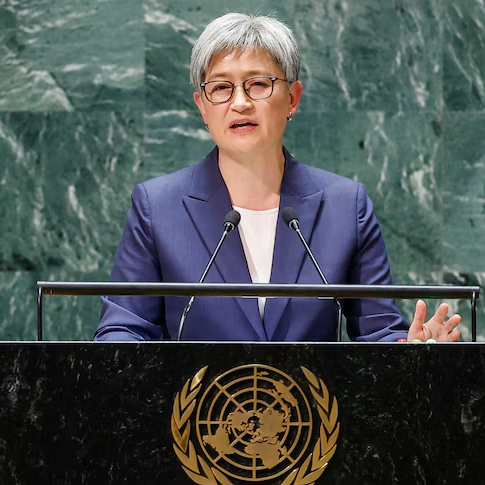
(436,327)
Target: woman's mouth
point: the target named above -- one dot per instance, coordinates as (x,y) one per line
(243,126)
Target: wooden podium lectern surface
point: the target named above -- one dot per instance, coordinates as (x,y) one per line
(97,413)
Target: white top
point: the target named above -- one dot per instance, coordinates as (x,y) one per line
(257,230)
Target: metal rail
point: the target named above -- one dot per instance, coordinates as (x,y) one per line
(58,288)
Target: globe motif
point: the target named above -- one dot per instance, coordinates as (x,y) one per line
(254,423)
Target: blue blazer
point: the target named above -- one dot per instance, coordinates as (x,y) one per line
(175,223)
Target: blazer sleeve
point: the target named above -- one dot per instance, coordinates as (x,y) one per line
(370,320)
(134,317)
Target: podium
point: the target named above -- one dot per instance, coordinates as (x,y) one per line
(233,413)
(90,413)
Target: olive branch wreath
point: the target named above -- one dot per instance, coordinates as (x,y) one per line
(203,474)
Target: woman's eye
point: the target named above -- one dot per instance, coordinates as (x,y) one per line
(259,84)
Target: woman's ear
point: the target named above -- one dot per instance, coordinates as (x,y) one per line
(200,105)
(295,96)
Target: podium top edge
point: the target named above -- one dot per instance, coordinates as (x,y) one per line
(58,288)
(231,342)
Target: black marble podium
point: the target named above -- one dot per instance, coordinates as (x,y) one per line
(97,413)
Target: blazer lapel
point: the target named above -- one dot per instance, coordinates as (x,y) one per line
(208,203)
(297,191)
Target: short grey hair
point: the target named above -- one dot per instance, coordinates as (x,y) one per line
(240,31)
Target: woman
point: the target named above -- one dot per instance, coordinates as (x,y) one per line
(245,73)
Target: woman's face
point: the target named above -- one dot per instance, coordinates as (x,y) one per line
(243,125)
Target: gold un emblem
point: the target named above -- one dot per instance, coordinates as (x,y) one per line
(254,423)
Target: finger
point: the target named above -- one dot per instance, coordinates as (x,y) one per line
(416,328)
(451,323)
(419,315)
(440,314)
(454,336)
(450,337)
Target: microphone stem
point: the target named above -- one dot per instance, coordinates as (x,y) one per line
(314,261)
(214,254)
(320,272)
(184,316)
(202,278)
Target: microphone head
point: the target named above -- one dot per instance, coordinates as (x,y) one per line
(289,215)
(231,220)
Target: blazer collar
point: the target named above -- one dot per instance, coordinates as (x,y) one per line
(208,202)
(298,190)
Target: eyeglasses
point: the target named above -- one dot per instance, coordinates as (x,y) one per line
(255,87)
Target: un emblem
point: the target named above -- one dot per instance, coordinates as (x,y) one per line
(254,423)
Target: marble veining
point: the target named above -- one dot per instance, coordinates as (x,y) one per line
(95,97)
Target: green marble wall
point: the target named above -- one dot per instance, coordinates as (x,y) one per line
(94,97)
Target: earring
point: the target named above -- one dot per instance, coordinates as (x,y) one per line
(290,116)
(206,126)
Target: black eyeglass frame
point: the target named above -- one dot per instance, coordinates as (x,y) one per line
(273,79)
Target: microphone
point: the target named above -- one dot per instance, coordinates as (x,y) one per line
(291,220)
(230,223)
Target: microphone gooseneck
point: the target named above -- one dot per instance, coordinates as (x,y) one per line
(290,218)
(230,223)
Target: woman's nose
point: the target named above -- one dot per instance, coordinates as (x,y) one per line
(240,98)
